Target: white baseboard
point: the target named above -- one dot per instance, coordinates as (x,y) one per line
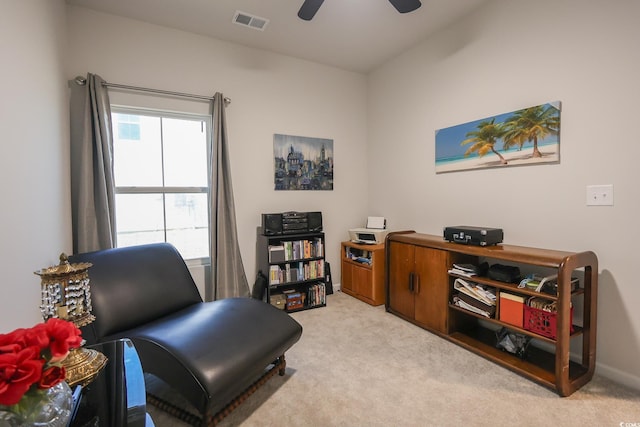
(618,376)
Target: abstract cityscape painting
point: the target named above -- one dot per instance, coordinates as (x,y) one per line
(523,137)
(302,163)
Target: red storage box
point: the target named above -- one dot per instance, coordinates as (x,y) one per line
(543,322)
(511,308)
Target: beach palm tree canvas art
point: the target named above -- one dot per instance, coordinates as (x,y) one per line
(523,137)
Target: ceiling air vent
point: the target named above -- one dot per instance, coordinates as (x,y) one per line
(251,21)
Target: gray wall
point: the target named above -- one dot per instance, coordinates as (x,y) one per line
(506,56)
(34,166)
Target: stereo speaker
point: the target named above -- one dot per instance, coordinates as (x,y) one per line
(271,224)
(314,221)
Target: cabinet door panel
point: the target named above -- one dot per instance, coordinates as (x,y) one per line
(432,288)
(401,262)
(347,276)
(362,284)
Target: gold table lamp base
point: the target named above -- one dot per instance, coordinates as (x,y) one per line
(82,365)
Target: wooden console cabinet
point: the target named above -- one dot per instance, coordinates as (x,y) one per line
(420,289)
(363,272)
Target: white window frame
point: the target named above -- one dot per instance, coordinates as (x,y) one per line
(121,109)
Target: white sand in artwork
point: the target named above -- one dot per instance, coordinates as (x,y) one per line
(513,158)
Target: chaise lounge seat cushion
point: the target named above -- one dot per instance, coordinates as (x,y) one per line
(207,352)
(225,346)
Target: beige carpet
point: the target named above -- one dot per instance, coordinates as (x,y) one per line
(357,365)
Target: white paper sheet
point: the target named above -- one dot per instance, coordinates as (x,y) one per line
(377,222)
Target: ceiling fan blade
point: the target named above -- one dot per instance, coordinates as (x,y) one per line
(309,8)
(405,6)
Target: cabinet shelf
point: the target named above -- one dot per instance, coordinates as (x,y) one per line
(538,366)
(295,261)
(359,264)
(577,330)
(311,307)
(419,288)
(295,283)
(513,287)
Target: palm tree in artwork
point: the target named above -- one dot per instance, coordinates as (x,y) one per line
(531,125)
(484,138)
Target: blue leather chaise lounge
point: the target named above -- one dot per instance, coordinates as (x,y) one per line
(213,354)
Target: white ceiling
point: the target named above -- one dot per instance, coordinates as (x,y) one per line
(356,35)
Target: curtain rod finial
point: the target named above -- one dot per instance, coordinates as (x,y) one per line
(80,80)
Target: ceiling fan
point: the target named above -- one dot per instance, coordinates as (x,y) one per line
(310,7)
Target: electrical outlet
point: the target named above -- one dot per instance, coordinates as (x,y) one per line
(600,195)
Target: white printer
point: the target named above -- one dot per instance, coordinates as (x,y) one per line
(373,234)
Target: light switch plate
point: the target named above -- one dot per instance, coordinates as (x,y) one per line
(600,195)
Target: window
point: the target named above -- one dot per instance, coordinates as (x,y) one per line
(161,179)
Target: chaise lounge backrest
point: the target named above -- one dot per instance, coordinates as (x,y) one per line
(127,293)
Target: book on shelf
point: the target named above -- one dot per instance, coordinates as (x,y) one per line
(319,249)
(274,275)
(287,273)
(316,294)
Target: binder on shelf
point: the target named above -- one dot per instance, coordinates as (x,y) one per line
(277,254)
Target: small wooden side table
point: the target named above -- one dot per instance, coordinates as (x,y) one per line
(363,271)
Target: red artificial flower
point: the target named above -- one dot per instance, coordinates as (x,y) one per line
(22,338)
(63,336)
(30,358)
(11,342)
(18,371)
(52,376)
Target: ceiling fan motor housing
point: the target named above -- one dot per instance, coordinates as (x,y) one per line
(310,7)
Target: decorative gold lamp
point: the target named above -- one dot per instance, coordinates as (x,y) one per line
(66,294)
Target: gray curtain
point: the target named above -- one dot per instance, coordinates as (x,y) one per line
(92,185)
(227,278)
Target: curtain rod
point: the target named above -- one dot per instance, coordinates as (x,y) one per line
(81,81)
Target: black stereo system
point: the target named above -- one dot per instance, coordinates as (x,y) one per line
(291,223)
